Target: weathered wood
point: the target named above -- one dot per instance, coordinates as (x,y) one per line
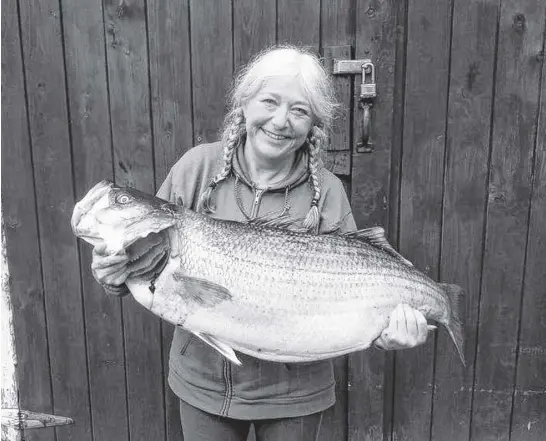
(254,29)
(468,131)
(422,176)
(514,127)
(21,230)
(337,157)
(299,25)
(376,40)
(171,92)
(125,24)
(335,43)
(529,401)
(212,66)
(170,80)
(92,162)
(49,136)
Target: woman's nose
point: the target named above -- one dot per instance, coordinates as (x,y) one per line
(280,117)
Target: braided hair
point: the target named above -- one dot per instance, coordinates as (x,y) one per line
(280,60)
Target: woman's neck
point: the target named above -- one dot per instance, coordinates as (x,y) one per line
(264,173)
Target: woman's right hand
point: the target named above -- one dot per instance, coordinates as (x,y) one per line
(109,269)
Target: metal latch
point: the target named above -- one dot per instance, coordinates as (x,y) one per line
(24,419)
(368,91)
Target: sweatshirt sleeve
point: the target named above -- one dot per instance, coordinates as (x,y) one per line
(336,213)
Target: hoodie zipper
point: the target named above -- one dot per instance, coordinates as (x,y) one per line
(257,198)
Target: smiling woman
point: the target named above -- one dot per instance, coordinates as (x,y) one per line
(267,164)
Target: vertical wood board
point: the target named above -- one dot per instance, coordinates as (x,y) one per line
(128,78)
(212,66)
(20,228)
(51,155)
(299,25)
(514,127)
(465,197)
(92,162)
(529,402)
(427,65)
(254,29)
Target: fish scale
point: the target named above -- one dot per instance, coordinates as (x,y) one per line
(262,290)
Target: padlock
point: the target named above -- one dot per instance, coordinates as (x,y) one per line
(368,90)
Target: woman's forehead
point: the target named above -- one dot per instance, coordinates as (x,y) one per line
(288,87)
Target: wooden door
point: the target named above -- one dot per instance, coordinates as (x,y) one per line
(119,90)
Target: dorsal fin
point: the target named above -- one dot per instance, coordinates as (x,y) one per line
(376,236)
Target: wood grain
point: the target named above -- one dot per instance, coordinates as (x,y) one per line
(422,174)
(20,227)
(51,155)
(514,127)
(92,161)
(131,121)
(254,29)
(170,81)
(465,197)
(212,66)
(299,25)
(529,402)
(375,40)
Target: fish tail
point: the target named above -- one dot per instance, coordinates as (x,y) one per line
(455,295)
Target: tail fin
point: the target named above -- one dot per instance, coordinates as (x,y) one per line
(455,295)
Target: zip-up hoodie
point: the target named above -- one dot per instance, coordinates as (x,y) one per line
(258,389)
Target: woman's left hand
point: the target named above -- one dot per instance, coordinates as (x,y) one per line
(407,329)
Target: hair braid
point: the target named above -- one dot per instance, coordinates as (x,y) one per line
(316,140)
(231,138)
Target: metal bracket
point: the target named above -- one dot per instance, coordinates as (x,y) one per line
(343,67)
(24,419)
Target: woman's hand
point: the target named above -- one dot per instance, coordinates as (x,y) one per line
(407,328)
(109,269)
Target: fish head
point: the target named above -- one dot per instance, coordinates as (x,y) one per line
(114,217)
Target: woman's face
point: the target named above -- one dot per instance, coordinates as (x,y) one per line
(278,118)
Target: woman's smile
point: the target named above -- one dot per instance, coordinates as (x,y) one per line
(275,136)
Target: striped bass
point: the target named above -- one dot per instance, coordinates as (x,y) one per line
(262,290)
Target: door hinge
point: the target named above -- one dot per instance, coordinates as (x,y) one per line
(24,419)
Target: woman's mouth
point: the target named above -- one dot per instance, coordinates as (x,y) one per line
(274,136)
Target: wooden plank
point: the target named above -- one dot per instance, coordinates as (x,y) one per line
(212,66)
(337,157)
(51,156)
(336,39)
(529,402)
(92,162)
(171,85)
(171,91)
(128,78)
(299,25)
(468,131)
(427,62)
(376,40)
(514,127)
(254,29)
(21,230)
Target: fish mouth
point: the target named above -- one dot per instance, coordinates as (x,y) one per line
(86,204)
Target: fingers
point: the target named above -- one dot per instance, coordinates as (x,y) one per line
(109,269)
(407,328)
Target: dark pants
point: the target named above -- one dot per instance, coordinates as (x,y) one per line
(198,425)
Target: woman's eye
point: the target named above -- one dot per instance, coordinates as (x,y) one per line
(300,111)
(268,101)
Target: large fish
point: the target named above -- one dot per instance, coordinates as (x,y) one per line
(265,291)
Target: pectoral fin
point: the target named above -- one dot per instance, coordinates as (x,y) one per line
(200,292)
(220,346)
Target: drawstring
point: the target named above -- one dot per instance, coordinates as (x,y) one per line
(238,198)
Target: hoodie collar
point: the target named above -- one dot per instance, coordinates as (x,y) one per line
(298,173)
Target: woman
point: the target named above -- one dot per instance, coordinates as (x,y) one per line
(266,164)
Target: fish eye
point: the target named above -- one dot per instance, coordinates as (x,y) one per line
(123,198)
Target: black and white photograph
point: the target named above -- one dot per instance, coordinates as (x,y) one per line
(273,220)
